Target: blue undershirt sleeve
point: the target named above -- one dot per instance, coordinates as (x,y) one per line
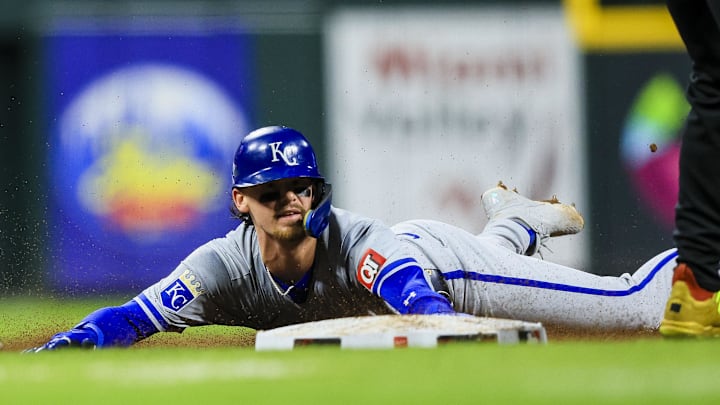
(403,286)
(122,326)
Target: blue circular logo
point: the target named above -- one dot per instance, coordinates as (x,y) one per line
(143,158)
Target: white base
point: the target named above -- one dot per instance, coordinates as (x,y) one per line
(392,331)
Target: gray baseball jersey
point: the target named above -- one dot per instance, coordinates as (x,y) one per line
(225,281)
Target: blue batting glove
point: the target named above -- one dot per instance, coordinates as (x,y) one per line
(78,337)
(431,305)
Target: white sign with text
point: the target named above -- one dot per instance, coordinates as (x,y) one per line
(428,108)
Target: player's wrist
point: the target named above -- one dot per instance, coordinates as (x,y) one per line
(93,333)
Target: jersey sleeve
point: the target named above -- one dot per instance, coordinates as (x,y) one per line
(188,296)
(386,267)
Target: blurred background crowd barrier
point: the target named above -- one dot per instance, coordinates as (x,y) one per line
(119,121)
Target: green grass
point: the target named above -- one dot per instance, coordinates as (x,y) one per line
(636,371)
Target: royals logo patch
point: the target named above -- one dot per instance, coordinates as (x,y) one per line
(369,268)
(181,292)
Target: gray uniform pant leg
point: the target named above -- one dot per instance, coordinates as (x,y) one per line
(527,288)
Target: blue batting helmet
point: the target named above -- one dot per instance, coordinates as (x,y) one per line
(273,153)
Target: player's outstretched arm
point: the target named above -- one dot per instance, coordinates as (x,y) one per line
(107,327)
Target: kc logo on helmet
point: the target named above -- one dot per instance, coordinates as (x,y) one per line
(369,268)
(278,154)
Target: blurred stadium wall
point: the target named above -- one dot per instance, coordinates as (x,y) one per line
(627,72)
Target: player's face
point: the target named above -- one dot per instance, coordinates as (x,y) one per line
(278,208)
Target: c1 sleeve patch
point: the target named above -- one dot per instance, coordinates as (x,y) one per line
(181,292)
(369,268)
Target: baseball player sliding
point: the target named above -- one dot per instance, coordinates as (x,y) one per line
(296,258)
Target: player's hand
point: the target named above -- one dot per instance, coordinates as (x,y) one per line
(78,338)
(431,305)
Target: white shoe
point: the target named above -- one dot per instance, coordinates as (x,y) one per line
(547,218)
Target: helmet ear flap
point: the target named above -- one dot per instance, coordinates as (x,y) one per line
(317,219)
